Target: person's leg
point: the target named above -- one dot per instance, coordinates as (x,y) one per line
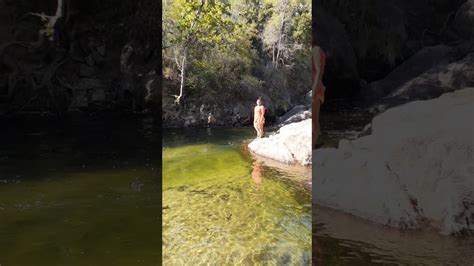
(255,125)
(262,132)
(315,118)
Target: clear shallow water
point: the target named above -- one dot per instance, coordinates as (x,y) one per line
(85,193)
(221,206)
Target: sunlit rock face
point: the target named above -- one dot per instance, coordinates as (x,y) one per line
(291,144)
(415,170)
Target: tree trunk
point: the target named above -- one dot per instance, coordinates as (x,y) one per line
(50,21)
(278,54)
(273,55)
(279,39)
(181,87)
(185,48)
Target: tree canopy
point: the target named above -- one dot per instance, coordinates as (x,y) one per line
(228,46)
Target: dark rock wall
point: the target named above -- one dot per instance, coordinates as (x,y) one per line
(103,55)
(368,39)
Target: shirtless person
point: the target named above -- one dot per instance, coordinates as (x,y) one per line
(259,118)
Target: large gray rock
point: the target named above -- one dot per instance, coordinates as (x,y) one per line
(416,65)
(284,119)
(291,112)
(242,113)
(291,144)
(296,114)
(434,82)
(415,171)
(464,20)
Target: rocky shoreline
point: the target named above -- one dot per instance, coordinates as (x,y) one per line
(413,171)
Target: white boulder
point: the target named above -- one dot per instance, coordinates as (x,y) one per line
(415,171)
(291,144)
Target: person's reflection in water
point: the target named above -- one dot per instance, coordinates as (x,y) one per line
(257,172)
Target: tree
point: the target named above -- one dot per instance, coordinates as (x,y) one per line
(285,30)
(183,46)
(225,52)
(49,22)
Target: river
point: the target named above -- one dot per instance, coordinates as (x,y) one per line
(223,206)
(87,192)
(82,192)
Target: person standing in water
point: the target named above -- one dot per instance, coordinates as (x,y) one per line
(259,118)
(319,61)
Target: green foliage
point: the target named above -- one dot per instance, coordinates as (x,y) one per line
(302,28)
(229,43)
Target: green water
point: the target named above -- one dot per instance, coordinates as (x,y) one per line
(88,193)
(83,193)
(224,208)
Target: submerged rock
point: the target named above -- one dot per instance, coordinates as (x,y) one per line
(291,144)
(415,171)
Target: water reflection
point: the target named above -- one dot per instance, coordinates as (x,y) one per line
(225,208)
(257,172)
